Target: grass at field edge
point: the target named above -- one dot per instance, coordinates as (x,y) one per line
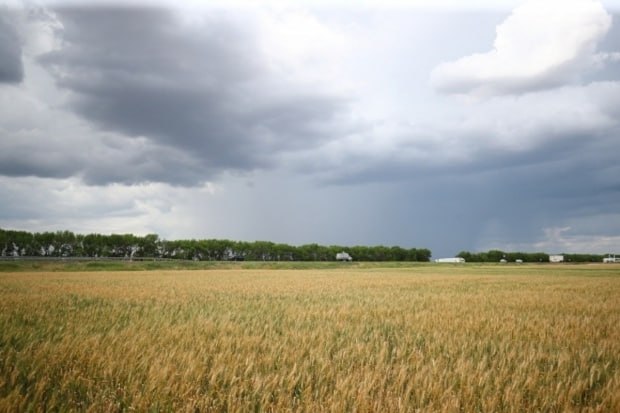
(27,265)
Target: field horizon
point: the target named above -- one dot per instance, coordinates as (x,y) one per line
(42,264)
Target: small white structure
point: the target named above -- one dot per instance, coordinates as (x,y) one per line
(611,259)
(455,260)
(519,261)
(343,256)
(556,258)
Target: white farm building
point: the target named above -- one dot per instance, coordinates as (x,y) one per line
(556,258)
(455,260)
(343,256)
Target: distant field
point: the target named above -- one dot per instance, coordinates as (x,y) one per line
(351,338)
(72,264)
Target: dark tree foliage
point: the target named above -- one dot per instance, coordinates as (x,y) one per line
(68,244)
(497,256)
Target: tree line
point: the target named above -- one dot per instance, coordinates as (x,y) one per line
(67,244)
(498,255)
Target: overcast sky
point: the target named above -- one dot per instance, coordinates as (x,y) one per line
(419,124)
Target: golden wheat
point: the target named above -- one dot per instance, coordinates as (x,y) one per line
(447,339)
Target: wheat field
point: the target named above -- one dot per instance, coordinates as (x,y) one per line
(423,339)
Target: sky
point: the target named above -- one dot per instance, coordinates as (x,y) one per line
(422,124)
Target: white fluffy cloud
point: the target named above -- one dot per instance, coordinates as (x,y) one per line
(542,44)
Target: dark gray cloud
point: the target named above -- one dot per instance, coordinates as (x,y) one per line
(40,164)
(11,66)
(202,87)
(128,165)
(503,207)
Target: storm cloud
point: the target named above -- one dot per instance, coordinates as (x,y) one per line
(202,88)
(11,67)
